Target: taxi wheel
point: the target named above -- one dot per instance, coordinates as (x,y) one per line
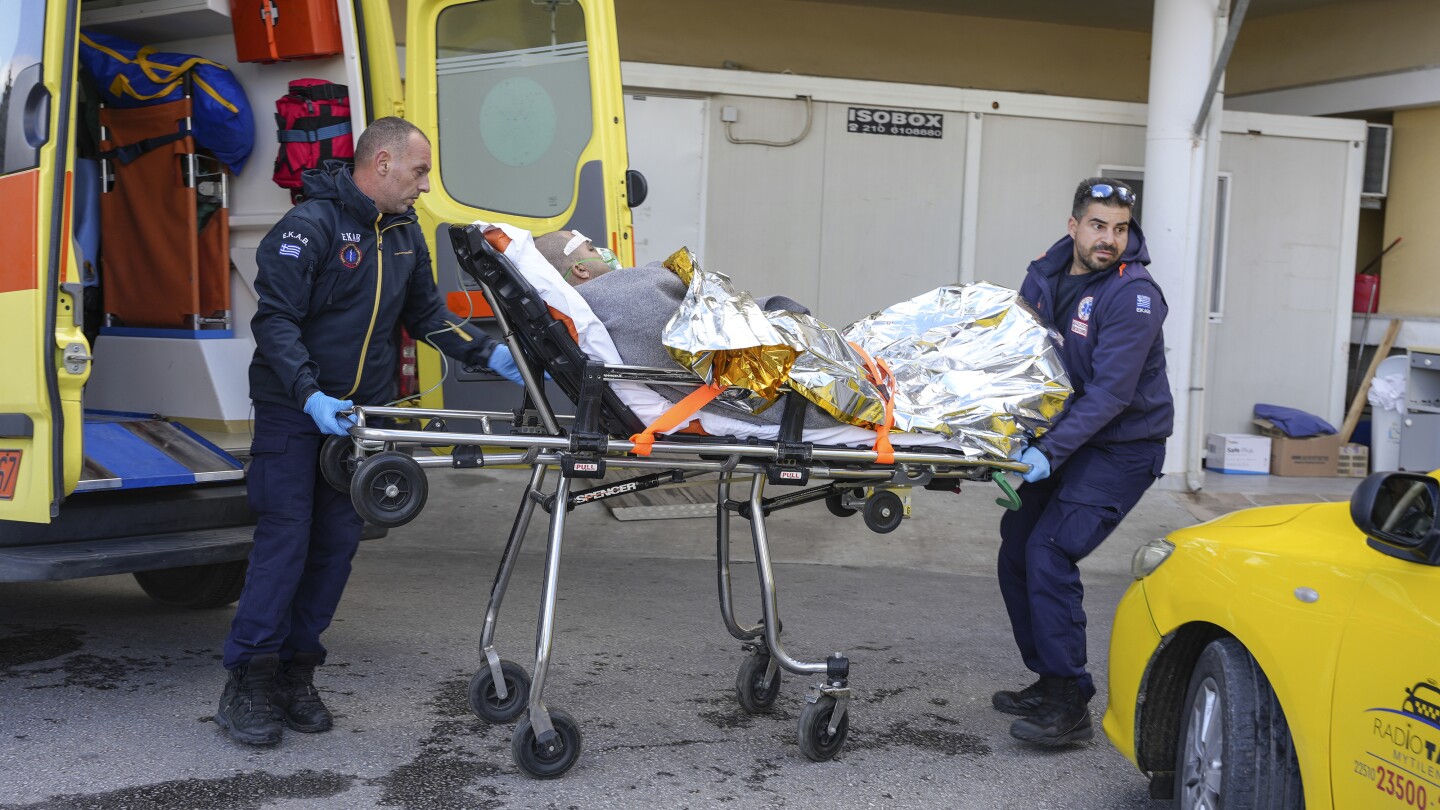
(1234,749)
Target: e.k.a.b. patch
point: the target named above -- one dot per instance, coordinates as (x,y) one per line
(350,255)
(1142,304)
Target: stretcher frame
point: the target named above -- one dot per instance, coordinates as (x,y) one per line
(388,487)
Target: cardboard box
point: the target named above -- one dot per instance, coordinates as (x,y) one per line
(1237,453)
(1354,461)
(1316,456)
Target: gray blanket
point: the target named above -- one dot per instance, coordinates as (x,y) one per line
(636,303)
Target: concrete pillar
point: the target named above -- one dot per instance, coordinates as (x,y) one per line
(1185,39)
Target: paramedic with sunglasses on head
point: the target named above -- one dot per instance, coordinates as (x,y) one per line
(337,276)
(1097,459)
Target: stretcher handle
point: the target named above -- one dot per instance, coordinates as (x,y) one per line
(1011,500)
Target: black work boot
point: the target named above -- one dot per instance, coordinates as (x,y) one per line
(1062,718)
(245,709)
(1022,703)
(295,697)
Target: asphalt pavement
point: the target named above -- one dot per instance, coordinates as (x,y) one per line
(106,697)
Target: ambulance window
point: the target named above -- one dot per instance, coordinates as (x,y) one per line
(513,86)
(19,71)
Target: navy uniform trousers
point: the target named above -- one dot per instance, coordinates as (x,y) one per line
(1061,520)
(306,536)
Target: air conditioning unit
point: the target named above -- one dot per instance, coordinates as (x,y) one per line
(1377,162)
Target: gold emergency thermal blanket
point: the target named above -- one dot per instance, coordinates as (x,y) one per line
(969,362)
(972,362)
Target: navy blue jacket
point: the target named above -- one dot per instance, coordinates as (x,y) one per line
(1114,350)
(335,279)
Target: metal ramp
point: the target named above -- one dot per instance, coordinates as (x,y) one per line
(132,451)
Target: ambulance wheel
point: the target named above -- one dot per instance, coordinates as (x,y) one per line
(485,701)
(195,586)
(389,489)
(337,462)
(551,759)
(884,511)
(816,741)
(835,502)
(754,696)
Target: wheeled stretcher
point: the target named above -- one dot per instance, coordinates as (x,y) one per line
(389,488)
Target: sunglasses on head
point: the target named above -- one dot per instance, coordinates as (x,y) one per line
(1104,191)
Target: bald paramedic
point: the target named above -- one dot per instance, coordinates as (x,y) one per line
(338,276)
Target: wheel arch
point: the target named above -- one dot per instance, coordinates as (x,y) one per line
(1163,687)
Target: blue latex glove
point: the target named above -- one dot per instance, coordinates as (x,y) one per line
(1039,465)
(503,363)
(324,410)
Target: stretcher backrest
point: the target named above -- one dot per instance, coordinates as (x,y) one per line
(545,340)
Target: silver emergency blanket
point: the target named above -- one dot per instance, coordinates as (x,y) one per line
(972,362)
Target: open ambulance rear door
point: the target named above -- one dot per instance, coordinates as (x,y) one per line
(45,359)
(522,101)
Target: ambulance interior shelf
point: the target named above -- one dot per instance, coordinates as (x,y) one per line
(158,20)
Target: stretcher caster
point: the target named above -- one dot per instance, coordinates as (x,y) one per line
(389,489)
(754,696)
(884,511)
(485,700)
(337,462)
(816,741)
(552,758)
(835,502)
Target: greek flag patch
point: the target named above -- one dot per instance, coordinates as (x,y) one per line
(293,251)
(1142,304)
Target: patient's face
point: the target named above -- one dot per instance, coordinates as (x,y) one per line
(585,263)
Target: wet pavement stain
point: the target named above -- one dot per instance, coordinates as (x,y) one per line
(245,791)
(98,672)
(41,644)
(949,743)
(443,774)
(880,695)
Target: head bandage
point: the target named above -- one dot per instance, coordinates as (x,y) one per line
(575,241)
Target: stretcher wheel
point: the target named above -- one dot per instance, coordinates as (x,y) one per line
(337,462)
(389,489)
(816,741)
(486,703)
(754,697)
(835,502)
(884,511)
(547,761)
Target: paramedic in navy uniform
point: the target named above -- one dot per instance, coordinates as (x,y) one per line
(1098,458)
(337,276)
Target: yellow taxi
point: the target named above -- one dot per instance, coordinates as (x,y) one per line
(1287,656)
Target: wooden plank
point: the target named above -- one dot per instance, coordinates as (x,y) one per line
(1352,418)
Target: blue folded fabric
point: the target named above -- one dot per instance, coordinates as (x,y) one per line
(1294,423)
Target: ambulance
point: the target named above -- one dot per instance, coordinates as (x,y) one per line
(125,297)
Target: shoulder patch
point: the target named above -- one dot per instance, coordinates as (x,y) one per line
(1142,304)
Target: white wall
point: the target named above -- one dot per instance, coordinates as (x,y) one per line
(798,220)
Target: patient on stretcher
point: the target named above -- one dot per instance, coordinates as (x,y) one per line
(975,370)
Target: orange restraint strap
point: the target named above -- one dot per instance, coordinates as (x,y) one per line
(879,373)
(679,412)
